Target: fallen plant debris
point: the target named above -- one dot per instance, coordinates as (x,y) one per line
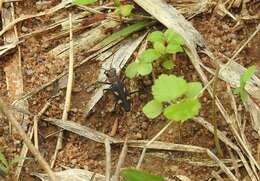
(193,67)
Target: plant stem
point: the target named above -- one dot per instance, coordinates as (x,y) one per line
(214,113)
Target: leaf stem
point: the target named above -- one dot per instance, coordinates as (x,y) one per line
(214,113)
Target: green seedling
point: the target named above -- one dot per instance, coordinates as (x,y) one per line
(6,165)
(84,2)
(123,10)
(246,76)
(137,175)
(173,97)
(164,45)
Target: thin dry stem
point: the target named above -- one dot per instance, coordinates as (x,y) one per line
(151,141)
(68,95)
(27,141)
(121,161)
(108,159)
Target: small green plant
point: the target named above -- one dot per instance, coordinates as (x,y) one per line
(6,165)
(173,97)
(84,2)
(164,45)
(124,10)
(246,76)
(137,175)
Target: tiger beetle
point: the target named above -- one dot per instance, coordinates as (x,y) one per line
(118,89)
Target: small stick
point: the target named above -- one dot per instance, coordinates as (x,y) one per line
(35,124)
(26,140)
(121,160)
(222,166)
(108,159)
(30,133)
(114,128)
(68,95)
(150,142)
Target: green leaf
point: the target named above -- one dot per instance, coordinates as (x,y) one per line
(248,73)
(152,109)
(123,33)
(136,175)
(3,160)
(131,70)
(168,87)
(144,68)
(156,36)
(125,10)
(168,64)
(173,37)
(149,55)
(159,47)
(183,110)
(84,2)
(194,89)
(173,48)
(244,96)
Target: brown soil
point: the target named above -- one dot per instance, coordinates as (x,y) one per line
(78,152)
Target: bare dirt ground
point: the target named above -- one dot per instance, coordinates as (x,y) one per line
(38,67)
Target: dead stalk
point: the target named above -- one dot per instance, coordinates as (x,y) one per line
(150,142)
(68,95)
(108,159)
(121,160)
(34,151)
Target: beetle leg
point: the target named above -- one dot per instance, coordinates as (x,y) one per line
(100,82)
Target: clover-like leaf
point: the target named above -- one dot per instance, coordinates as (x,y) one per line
(193,90)
(152,109)
(137,175)
(168,87)
(144,68)
(156,36)
(249,72)
(84,2)
(168,64)
(183,110)
(131,70)
(173,48)
(159,46)
(173,37)
(125,10)
(149,55)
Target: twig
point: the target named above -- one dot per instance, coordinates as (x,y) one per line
(217,176)
(34,151)
(35,124)
(121,161)
(31,132)
(68,95)
(152,140)
(222,166)
(108,159)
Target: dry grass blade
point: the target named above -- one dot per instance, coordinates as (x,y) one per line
(230,175)
(33,131)
(63,4)
(108,159)
(68,94)
(100,138)
(150,142)
(121,161)
(34,151)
